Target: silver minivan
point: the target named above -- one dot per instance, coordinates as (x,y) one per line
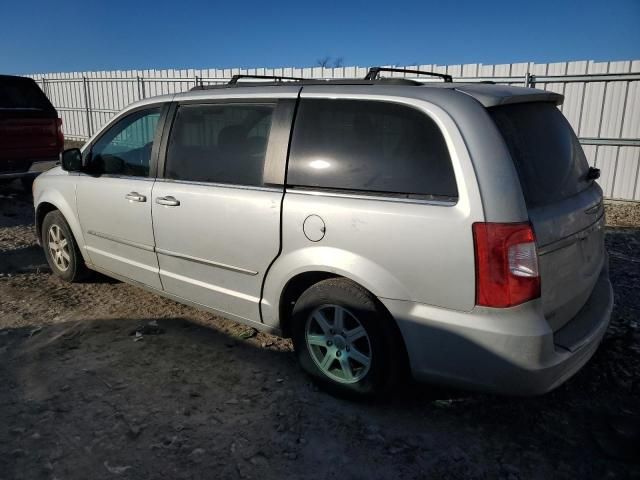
(388,226)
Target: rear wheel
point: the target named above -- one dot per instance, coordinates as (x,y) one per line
(61,249)
(345,340)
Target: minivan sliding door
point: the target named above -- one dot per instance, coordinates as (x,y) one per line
(216,212)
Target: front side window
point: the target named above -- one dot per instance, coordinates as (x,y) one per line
(369,146)
(221,143)
(125,149)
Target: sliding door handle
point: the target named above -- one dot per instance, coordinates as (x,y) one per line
(135,197)
(168,201)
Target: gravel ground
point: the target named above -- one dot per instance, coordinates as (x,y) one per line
(207,398)
(622,213)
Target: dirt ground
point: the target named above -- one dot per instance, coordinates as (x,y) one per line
(80,398)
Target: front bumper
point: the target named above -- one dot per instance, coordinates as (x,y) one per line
(512,351)
(36,168)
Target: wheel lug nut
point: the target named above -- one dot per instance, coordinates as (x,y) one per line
(329,343)
(338,353)
(348,348)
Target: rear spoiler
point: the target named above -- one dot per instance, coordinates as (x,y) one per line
(504,95)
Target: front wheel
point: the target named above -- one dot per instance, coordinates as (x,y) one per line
(345,340)
(61,249)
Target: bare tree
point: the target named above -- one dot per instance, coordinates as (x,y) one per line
(324,62)
(338,62)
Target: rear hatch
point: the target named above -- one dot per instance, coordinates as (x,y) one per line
(565,206)
(29,125)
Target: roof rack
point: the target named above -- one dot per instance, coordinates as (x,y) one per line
(277,78)
(374,73)
(372,77)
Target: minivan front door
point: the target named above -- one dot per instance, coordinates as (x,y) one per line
(114,199)
(216,215)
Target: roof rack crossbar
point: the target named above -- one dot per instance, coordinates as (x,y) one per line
(277,78)
(374,73)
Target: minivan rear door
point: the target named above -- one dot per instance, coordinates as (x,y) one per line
(564,204)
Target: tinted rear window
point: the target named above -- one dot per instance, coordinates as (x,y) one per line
(360,145)
(547,155)
(22,93)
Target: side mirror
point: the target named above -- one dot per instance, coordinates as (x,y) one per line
(72,160)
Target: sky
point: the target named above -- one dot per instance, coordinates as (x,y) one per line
(62,36)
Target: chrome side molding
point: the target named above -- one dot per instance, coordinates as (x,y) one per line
(204,261)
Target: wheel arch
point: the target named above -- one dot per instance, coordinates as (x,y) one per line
(323,262)
(41,212)
(299,283)
(292,291)
(50,202)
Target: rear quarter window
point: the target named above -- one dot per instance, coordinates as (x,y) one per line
(547,155)
(369,146)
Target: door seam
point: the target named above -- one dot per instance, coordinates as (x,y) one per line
(284,191)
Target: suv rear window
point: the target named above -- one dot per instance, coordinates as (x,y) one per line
(20,92)
(547,154)
(370,146)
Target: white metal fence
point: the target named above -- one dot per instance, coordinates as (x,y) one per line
(602,101)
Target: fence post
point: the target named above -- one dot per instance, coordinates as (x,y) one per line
(141,90)
(87,105)
(530,80)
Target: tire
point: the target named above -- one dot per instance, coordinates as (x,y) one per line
(61,250)
(365,358)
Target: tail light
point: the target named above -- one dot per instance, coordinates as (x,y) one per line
(60,134)
(506,264)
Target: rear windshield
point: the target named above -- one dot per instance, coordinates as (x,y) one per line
(16,92)
(547,155)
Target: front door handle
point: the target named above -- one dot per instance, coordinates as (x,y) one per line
(168,201)
(135,197)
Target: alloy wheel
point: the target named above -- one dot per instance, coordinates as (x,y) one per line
(338,343)
(59,248)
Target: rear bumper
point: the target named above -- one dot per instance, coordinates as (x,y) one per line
(36,168)
(511,351)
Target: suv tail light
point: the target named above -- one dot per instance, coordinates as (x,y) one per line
(506,264)
(60,134)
